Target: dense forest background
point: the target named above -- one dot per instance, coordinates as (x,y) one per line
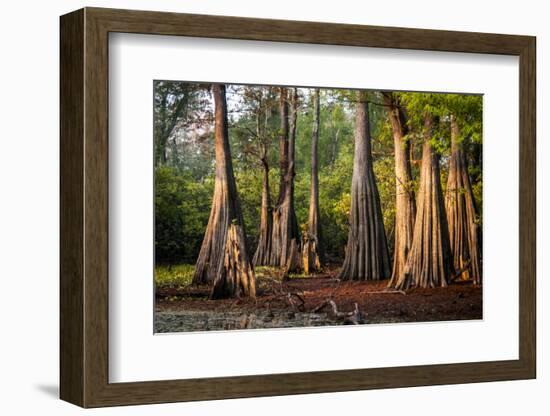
(185,168)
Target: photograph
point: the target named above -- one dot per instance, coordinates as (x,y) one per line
(298,206)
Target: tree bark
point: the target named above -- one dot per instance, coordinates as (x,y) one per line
(312,251)
(263,141)
(284,252)
(263,251)
(405,208)
(223,259)
(367,255)
(461,212)
(429,263)
(283,143)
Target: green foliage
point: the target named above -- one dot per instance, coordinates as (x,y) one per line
(249,187)
(174,103)
(184,185)
(477,189)
(182,207)
(336,127)
(174,276)
(384,170)
(335,200)
(466,108)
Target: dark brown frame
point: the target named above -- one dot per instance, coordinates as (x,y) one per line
(84,209)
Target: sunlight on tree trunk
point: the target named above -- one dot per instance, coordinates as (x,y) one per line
(367,255)
(223,260)
(461,213)
(312,251)
(405,208)
(429,263)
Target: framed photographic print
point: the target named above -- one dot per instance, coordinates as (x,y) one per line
(261,207)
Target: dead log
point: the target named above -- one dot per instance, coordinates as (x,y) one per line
(349,318)
(295,307)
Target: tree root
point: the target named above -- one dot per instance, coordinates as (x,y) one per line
(462,270)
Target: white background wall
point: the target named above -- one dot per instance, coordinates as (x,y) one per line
(29,224)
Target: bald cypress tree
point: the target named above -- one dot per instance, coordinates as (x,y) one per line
(262,256)
(367,256)
(429,263)
(405,208)
(223,260)
(461,212)
(263,251)
(285,242)
(313,254)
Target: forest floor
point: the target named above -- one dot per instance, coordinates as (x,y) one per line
(317,300)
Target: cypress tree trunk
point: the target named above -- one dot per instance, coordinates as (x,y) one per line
(405,208)
(263,251)
(283,143)
(223,259)
(285,241)
(367,255)
(429,263)
(461,213)
(312,251)
(295,231)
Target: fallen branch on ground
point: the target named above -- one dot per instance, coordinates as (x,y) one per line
(287,296)
(387,291)
(300,307)
(353,317)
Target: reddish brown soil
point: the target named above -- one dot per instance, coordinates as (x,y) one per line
(457,302)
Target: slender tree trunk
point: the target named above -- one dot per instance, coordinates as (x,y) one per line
(312,251)
(223,259)
(461,213)
(175,152)
(334,146)
(283,143)
(429,263)
(160,134)
(405,208)
(292,164)
(263,251)
(367,255)
(285,242)
(166,121)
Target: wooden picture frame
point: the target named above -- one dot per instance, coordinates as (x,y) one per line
(84,207)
